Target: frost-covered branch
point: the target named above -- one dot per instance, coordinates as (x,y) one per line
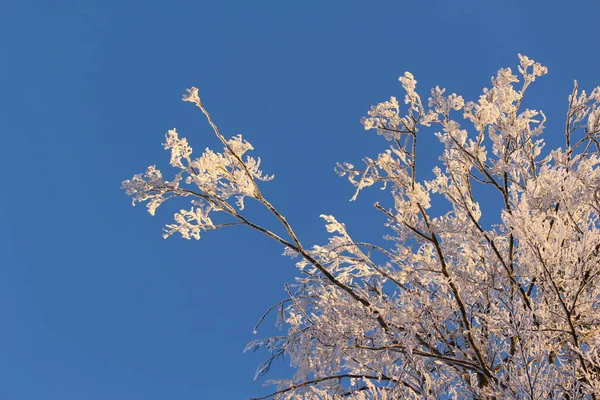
(465,297)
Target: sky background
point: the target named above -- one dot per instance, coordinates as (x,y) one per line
(94,304)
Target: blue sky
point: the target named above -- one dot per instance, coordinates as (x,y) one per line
(94,303)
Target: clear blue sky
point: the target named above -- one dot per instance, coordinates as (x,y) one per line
(94,304)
